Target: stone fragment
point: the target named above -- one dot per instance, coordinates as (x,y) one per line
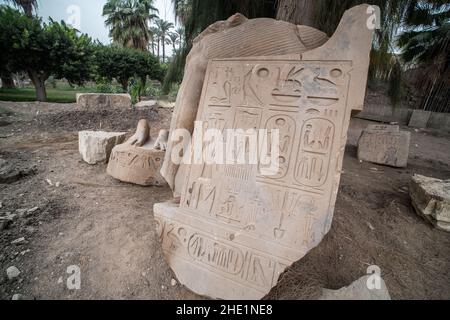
(32,210)
(235,37)
(237,227)
(166,104)
(419,119)
(95,146)
(145,104)
(431,199)
(93,101)
(358,290)
(12,272)
(139,159)
(384,144)
(19,296)
(18,241)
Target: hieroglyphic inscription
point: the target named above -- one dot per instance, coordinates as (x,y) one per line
(233,261)
(303,101)
(238,225)
(129,159)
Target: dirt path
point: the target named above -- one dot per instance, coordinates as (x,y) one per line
(106,228)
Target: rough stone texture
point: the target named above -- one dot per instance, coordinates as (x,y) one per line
(145,104)
(166,104)
(139,159)
(384,144)
(19,296)
(103,100)
(236,229)
(96,146)
(358,290)
(419,119)
(431,199)
(235,37)
(12,272)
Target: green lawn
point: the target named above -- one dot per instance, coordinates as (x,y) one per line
(62,94)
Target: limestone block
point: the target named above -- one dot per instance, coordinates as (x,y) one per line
(137,165)
(419,119)
(237,228)
(96,146)
(145,104)
(235,37)
(431,200)
(384,144)
(103,100)
(358,290)
(139,159)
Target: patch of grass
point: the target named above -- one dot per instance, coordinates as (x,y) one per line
(63,94)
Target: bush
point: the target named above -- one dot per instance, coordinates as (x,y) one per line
(152,90)
(123,64)
(103,85)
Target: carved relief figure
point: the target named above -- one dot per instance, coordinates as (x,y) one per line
(139,159)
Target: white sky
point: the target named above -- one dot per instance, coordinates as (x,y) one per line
(90,14)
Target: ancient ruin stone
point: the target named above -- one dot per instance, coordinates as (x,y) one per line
(384,144)
(431,199)
(95,146)
(235,37)
(146,104)
(139,159)
(103,100)
(419,119)
(236,229)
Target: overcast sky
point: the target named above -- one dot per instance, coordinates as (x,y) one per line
(87,14)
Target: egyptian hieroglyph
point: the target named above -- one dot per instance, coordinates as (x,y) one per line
(139,159)
(236,230)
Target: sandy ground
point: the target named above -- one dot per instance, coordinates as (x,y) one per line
(105,227)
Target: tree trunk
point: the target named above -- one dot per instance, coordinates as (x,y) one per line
(8,82)
(159,59)
(28,9)
(39,85)
(124,83)
(164,50)
(297,12)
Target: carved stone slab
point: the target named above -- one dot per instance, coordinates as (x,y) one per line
(139,159)
(235,230)
(138,165)
(384,144)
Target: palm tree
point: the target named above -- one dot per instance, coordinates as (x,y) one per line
(196,15)
(27,5)
(164,28)
(180,32)
(129,21)
(425,43)
(154,39)
(426,38)
(174,39)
